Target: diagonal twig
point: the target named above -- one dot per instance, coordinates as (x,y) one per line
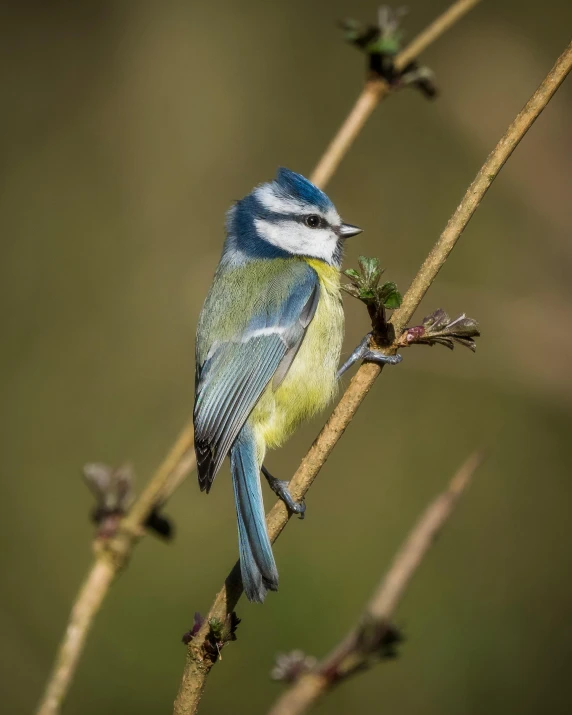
(377,89)
(198,663)
(110,558)
(180,459)
(350,656)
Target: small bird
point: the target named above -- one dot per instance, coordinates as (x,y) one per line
(268,344)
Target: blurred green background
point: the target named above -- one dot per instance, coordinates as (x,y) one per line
(128,129)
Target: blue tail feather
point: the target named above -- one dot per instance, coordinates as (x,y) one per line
(257,565)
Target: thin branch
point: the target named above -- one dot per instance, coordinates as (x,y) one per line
(350,656)
(180,460)
(433,32)
(377,89)
(111,556)
(474,194)
(88,601)
(198,663)
(390,592)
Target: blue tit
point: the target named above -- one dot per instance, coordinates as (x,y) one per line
(268,344)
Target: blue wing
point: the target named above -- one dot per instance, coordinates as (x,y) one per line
(235,373)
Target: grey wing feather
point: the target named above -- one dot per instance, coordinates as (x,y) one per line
(230,398)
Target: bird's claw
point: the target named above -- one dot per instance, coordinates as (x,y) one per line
(280,488)
(363,352)
(381,358)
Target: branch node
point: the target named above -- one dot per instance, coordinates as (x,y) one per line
(439,329)
(218,634)
(113,489)
(290,666)
(377,298)
(381,43)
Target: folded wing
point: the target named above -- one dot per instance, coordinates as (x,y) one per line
(236,372)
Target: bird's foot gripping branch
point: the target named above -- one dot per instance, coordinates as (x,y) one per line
(435,329)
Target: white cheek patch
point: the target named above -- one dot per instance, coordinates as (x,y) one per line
(299,239)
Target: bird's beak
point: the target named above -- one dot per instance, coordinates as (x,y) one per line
(347,230)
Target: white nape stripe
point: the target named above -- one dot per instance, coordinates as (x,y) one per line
(278,204)
(299,239)
(288,205)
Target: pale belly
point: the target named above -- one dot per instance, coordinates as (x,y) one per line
(310,384)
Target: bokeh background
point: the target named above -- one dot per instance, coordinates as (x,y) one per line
(128,128)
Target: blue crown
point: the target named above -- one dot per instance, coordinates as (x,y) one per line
(298,187)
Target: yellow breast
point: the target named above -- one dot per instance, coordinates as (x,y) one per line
(311,380)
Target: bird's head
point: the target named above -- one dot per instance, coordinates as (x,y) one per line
(288,216)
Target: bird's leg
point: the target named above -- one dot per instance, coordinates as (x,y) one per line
(362,352)
(280,488)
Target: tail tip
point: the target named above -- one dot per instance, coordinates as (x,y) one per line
(256,589)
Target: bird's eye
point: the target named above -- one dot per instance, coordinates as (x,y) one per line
(312,221)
